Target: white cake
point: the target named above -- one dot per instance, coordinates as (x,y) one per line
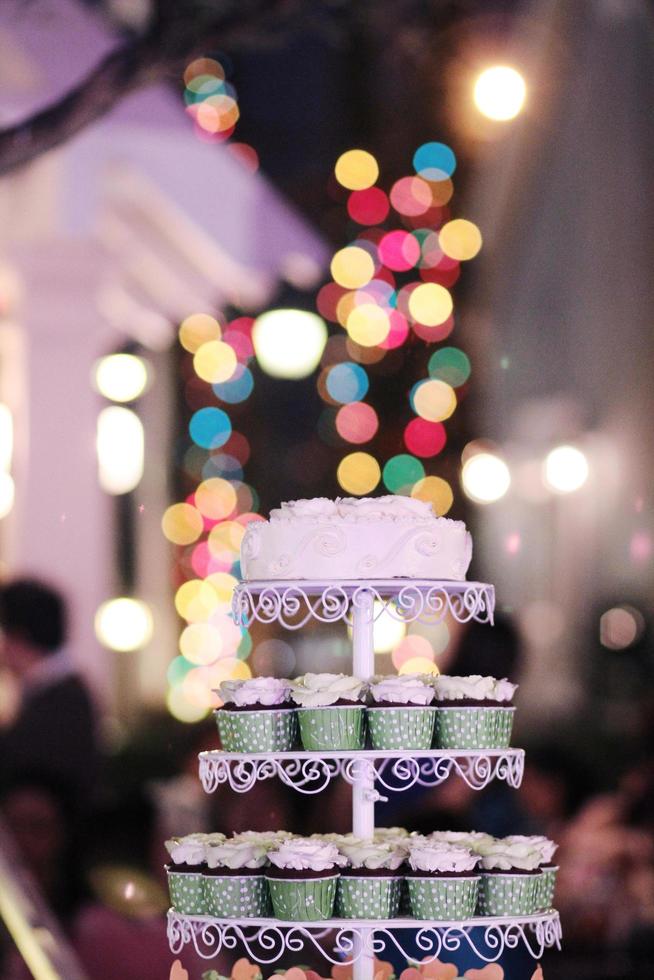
(352,538)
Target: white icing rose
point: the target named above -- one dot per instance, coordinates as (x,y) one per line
(472,688)
(374,854)
(546,846)
(468,838)
(390,506)
(432,856)
(337,839)
(502,856)
(238,854)
(268,837)
(257,690)
(390,833)
(301,854)
(190,849)
(403,688)
(320,690)
(317,507)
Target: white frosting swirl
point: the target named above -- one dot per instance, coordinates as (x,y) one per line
(374,855)
(321,690)
(403,688)
(438,856)
(546,846)
(190,849)
(467,838)
(293,509)
(257,690)
(390,834)
(302,854)
(473,688)
(268,837)
(389,507)
(502,856)
(238,854)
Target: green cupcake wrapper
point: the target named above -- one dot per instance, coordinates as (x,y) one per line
(473,728)
(187,892)
(322,729)
(368,897)
(507,894)
(257,731)
(545,888)
(304,900)
(443,898)
(401,728)
(237,896)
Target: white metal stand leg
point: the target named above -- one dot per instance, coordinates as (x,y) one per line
(363,805)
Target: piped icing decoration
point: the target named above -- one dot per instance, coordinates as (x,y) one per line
(267,691)
(191,849)
(403,689)
(321,690)
(390,833)
(373,855)
(238,854)
(465,838)
(500,855)
(546,846)
(267,837)
(438,856)
(473,688)
(354,509)
(304,854)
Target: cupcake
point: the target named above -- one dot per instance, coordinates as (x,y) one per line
(401,715)
(186,870)
(257,715)
(370,883)
(473,712)
(547,878)
(302,878)
(234,882)
(510,878)
(330,711)
(443,880)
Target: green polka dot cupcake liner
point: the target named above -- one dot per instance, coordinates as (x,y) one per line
(473,728)
(443,898)
(257,731)
(368,897)
(323,729)
(187,892)
(545,888)
(401,728)
(237,896)
(303,899)
(508,894)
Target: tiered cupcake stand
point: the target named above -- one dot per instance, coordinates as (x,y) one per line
(371,774)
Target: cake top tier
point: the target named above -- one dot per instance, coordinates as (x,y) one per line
(358,509)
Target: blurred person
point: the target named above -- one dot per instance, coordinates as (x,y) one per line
(54,729)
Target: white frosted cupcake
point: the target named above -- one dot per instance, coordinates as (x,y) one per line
(330,711)
(548,866)
(473,712)
(401,714)
(257,715)
(443,880)
(370,883)
(302,877)
(510,877)
(186,869)
(234,882)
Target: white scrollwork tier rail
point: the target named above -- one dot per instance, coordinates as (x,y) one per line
(309,772)
(267,940)
(293,604)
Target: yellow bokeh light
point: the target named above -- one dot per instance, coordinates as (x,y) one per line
(430,304)
(460,239)
(216,498)
(124,624)
(121,377)
(485,478)
(182,709)
(200,643)
(182,523)
(215,361)
(500,93)
(352,267)
(356,170)
(198,329)
(368,325)
(418,665)
(441,191)
(195,600)
(225,540)
(223,585)
(358,473)
(434,400)
(203,66)
(435,491)
(344,307)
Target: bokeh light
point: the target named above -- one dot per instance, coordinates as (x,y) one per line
(424,438)
(352,267)
(358,473)
(436,491)
(120,445)
(401,472)
(451,365)
(620,627)
(120,377)
(124,624)
(430,303)
(356,170)
(274,658)
(368,325)
(433,400)
(7,493)
(357,422)
(182,523)
(210,427)
(214,361)
(184,710)
(434,161)
(200,643)
(198,329)
(566,469)
(195,600)
(485,478)
(411,648)
(289,343)
(347,382)
(238,388)
(387,630)
(460,239)
(411,196)
(399,250)
(368,207)
(499,92)
(418,665)
(215,498)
